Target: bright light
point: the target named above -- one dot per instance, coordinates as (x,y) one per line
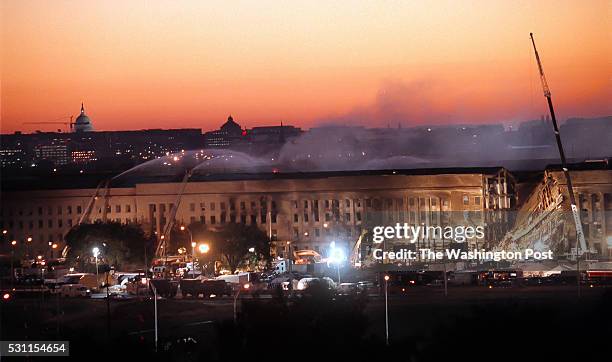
(336,255)
(143,281)
(14,242)
(29,239)
(4,232)
(193,244)
(39,257)
(386,278)
(6,296)
(54,246)
(95,251)
(203,248)
(324,225)
(246,286)
(182,228)
(251,250)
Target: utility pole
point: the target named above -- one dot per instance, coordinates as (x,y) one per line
(580,241)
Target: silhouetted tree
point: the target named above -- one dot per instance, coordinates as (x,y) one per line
(233,242)
(118,243)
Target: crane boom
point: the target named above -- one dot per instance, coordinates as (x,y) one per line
(163,240)
(579,233)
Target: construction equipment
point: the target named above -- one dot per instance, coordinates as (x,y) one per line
(56,121)
(580,241)
(162,245)
(103,190)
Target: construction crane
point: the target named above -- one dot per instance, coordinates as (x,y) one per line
(56,121)
(162,245)
(580,241)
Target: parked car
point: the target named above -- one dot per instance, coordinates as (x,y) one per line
(74,290)
(348,289)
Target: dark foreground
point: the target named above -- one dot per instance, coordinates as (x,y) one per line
(513,324)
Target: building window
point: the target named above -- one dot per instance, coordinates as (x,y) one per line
(347,217)
(477,200)
(69,210)
(213,219)
(347,203)
(295,204)
(80,209)
(358,216)
(305,217)
(118,208)
(253,219)
(466,200)
(212,206)
(295,218)
(128,208)
(305,204)
(192,207)
(242,205)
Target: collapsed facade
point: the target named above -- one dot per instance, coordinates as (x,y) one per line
(545,219)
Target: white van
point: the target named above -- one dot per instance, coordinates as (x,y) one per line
(74,290)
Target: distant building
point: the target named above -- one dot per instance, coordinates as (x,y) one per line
(229,134)
(55,151)
(273,134)
(83,123)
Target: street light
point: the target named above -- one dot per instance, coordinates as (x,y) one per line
(183,228)
(246,287)
(13,243)
(386,310)
(203,249)
(193,245)
(336,256)
(96,252)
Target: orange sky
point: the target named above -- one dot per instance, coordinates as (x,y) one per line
(164,64)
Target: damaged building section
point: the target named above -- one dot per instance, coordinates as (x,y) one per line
(544,221)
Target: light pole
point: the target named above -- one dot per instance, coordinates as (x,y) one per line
(183,228)
(96,252)
(336,256)
(386,310)
(203,249)
(13,244)
(246,287)
(193,245)
(28,243)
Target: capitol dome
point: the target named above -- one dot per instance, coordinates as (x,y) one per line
(83,123)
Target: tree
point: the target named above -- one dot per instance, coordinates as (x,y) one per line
(235,240)
(119,244)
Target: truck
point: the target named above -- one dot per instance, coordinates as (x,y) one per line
(206,288)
